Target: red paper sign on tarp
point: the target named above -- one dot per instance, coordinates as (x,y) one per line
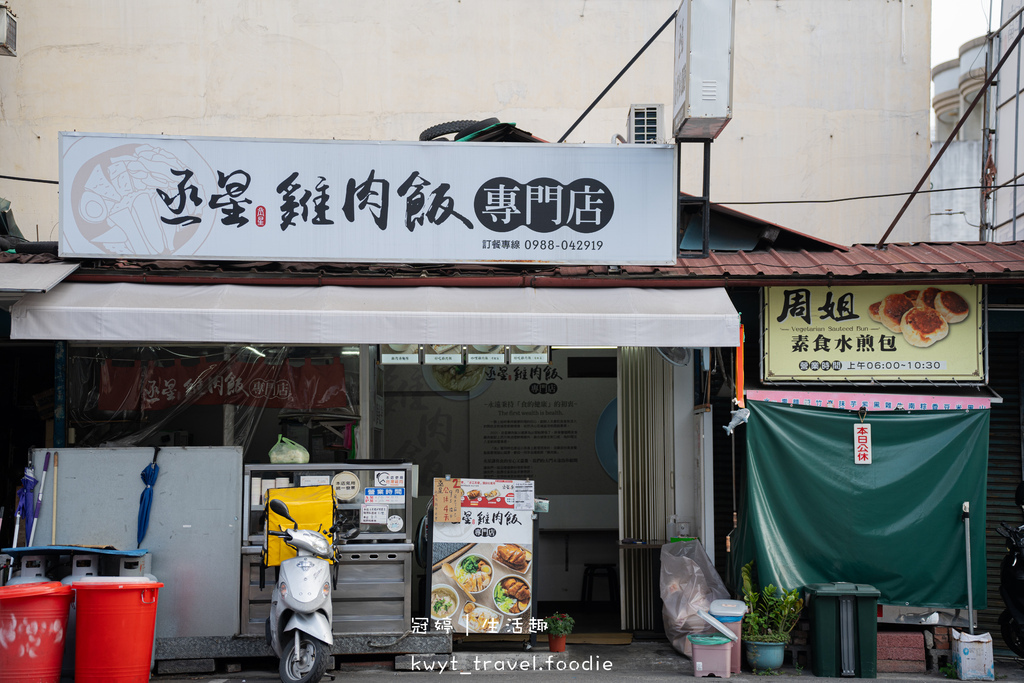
(152,386)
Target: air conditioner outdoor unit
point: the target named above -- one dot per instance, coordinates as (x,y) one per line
(8,32)
(702,103)
(644,124)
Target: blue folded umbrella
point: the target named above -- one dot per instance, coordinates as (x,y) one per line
(25,507)
(149,475)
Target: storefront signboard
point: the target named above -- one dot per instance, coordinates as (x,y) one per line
(201,198)
(482,565)
(874,334)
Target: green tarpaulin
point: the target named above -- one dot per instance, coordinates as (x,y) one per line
(811,515)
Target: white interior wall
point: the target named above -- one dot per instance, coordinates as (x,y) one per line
(683,429)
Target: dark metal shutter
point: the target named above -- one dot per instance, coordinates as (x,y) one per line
(1004,467)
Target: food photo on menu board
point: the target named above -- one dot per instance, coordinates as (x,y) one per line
(483,587)
(482,571)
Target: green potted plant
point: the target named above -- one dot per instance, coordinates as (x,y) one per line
(559,625)
(772,614)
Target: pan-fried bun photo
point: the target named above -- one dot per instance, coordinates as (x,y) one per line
(951,306)
(892,309)
(927,298)
(923,327)
(873,312)
(913,295)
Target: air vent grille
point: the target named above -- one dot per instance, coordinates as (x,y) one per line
(8,32)
(645,124)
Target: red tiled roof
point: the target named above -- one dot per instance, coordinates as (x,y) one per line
(968,261)
(956,259)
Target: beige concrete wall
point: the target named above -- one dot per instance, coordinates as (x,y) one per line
(830,99)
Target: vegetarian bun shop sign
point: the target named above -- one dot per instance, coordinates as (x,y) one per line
(889,334)
(162,197)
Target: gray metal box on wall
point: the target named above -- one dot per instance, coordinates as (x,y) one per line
(194,529)
(702,87)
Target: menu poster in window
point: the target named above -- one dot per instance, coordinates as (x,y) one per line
(486,354)
(552,424)
(530,354)
(442,354)
(482,571)
(400,354)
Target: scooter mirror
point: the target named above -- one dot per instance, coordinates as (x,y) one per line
(279,507)
(1018,496)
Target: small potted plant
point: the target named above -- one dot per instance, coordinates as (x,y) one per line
(773,612)
(559,625)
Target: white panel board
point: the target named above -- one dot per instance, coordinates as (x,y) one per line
(194,533)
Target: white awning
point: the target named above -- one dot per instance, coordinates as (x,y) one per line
(251,314)
(18,279)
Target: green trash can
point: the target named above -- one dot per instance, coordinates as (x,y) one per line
(844,629)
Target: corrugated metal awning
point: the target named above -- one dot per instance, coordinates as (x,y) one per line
(250,314)
(18,279)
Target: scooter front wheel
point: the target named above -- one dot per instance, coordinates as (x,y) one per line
(306,666)
(1011,631)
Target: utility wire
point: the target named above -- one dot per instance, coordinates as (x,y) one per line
(949,140)
(30,180)
(753,203)
(871,196)
(617,77)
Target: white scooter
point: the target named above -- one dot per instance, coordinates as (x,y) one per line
(299,627)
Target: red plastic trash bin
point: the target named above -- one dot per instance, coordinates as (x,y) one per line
(33,619)
(114,630)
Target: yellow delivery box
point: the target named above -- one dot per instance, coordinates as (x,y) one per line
(311,506)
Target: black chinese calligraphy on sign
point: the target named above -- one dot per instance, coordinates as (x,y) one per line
(187,193)
(544,205)
(234,185)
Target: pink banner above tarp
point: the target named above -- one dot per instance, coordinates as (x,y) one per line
(869,401)
(154,386)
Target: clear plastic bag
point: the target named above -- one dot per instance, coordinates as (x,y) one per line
(689,583)
(287,452)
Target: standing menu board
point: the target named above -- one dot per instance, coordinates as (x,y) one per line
(482,565)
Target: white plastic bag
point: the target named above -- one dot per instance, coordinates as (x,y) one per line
(287,452)
(689,583)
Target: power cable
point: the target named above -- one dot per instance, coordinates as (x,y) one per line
(952,136)
(872,196)
(618,76)
(30,180)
